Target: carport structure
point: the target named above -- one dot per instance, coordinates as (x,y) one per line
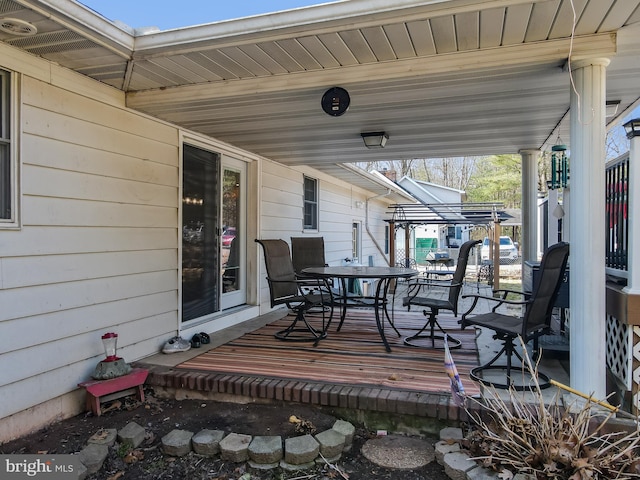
(441,77)
(407,216)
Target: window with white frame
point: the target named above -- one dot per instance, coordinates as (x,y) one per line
(7,171)
(310,203)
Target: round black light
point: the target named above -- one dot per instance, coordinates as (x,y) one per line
(335,101)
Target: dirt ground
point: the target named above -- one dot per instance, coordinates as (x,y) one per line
(160,416)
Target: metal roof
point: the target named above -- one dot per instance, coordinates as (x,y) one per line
(448,214)
(442,77)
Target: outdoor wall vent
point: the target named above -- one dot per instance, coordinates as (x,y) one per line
(15,26)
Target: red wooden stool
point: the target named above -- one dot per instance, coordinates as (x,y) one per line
(100,391)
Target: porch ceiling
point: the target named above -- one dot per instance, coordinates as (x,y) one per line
(441,77)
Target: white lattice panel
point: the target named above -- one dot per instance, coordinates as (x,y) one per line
(635,389)
(619,346)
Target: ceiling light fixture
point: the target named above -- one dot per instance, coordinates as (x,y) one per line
(375,139)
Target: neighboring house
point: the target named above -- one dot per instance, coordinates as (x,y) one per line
(108,210)
(437,235)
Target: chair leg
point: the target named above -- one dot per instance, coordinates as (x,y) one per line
(431,324)
(508,350)
(300,330)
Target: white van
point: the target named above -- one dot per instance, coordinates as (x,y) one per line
(508,250)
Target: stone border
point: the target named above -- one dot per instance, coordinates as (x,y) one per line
(268,452)
(261,452)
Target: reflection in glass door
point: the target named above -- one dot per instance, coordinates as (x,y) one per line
(233,234)
(200,220)
(213,233)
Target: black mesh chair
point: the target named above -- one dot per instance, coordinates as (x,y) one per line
(286,289)
(307,252)
(536,321)
(416,296)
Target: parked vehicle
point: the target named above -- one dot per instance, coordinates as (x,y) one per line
(508,250)
(227,236)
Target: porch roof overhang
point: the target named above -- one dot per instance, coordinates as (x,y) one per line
(442,78)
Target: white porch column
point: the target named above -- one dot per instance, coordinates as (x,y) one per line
(587,262)
(529,236)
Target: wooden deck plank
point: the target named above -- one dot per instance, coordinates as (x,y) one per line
(353,356)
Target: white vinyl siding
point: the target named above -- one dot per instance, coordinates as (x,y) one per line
(281,216)
(97,248)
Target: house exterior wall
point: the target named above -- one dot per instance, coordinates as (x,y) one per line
(340,204)
(98,246)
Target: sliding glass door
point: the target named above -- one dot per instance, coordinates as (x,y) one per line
(213,224)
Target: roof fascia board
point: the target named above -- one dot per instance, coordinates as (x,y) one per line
(599,45)
(85,22)
(311,20)
(385,183)
(435,185)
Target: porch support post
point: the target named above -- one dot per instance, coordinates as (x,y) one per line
(587,262)
(529,237)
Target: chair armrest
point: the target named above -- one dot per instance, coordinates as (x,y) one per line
(499,301)
(416,285)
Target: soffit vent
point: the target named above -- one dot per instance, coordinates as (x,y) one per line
(18,27)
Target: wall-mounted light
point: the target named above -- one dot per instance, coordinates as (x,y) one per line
(375,139)
(632,127)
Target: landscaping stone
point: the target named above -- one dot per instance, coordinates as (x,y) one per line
(104,436)
(346,429)
(82,472)
(397,451)
(331,444)
(235,447)
(177,443)
(266,450)
(451,433)
(444,447)
(132,433)
(480,473)
(301,450)
(93,456)
(207,442)
(457,464)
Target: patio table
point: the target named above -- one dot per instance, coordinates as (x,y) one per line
(378,301)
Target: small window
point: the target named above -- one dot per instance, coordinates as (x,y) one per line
(310,203)
(8,187)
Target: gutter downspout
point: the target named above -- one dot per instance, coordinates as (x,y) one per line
(366,223)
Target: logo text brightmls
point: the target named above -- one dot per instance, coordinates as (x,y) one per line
(30,468)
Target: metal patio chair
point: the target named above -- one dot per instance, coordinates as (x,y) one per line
(536,320)
(285,288)
(417,296)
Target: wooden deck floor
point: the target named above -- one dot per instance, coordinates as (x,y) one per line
(349,369)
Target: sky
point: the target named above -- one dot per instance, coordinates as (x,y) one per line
(166,14)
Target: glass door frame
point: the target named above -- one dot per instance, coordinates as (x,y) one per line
(238,297)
